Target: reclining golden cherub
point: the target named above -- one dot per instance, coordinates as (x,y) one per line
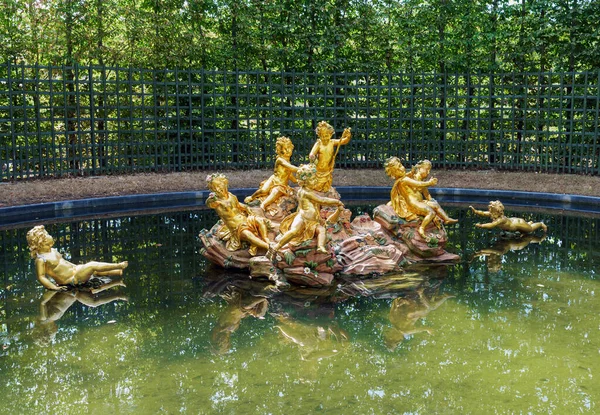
(50,263)
(496,213)
(277,185)
(410,197)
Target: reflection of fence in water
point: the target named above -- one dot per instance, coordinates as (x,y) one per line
(570,242)
(162,250)
(160,245)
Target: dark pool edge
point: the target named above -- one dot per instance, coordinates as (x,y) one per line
(35,213)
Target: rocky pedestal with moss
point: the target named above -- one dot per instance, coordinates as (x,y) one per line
(363,247)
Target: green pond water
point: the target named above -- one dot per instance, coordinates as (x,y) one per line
(514,331)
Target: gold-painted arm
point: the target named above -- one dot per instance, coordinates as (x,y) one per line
(323,200)
(346,135)
(313,153)
(479,212)
(287,164)
(419,184)
(43,279)
(490,225)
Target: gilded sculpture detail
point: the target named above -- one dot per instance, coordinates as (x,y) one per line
(320,239)
(50,264)
(276,186)
(307,222)
(496,213)
(409,196)
(324,152)
(239,222)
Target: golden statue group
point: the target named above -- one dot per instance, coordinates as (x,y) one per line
(304,234)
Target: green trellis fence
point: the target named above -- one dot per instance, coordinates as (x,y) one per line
(91,120)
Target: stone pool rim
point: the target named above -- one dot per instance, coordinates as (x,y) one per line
(141,203)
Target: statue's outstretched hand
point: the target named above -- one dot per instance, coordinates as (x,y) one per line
(347,133)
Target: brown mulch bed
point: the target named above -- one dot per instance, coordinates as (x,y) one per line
(50,190)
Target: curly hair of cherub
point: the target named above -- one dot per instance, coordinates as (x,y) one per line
(283,142)
(324,125)
(215,177)
(496,208)
(35,238)
(392,162)
(306,171)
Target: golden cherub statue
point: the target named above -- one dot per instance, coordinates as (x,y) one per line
(496,213)
(277,185)
(324,152)
(410,197)
(306,221)
(50,263)
(239,223)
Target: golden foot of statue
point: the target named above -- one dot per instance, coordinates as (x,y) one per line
(123,264)
(451,221)
(272,251)
(322,250)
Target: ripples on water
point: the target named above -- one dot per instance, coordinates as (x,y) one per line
(512,329)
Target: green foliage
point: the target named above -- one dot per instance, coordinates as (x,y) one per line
(311,264)
(305,35)
(432,242)
(289,257)
(303,252)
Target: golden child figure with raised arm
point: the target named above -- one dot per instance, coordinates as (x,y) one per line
(324,152)
(50,263)
(496,213)
(277,185)
(239,223)
(306,222)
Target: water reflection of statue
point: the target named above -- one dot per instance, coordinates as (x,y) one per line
(239,223)
(277,185)
(406,312)
(54,304)
(496,213)
(494,253)
(324,152)
(314,341)
(410,197)
(240,304)
(306,222)
(50,263)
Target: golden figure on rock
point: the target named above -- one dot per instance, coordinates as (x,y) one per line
(410,197)
(306,222)
(277,185)
(308,235)
(239,223)
(499,220)
(50,263)
(324,152)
